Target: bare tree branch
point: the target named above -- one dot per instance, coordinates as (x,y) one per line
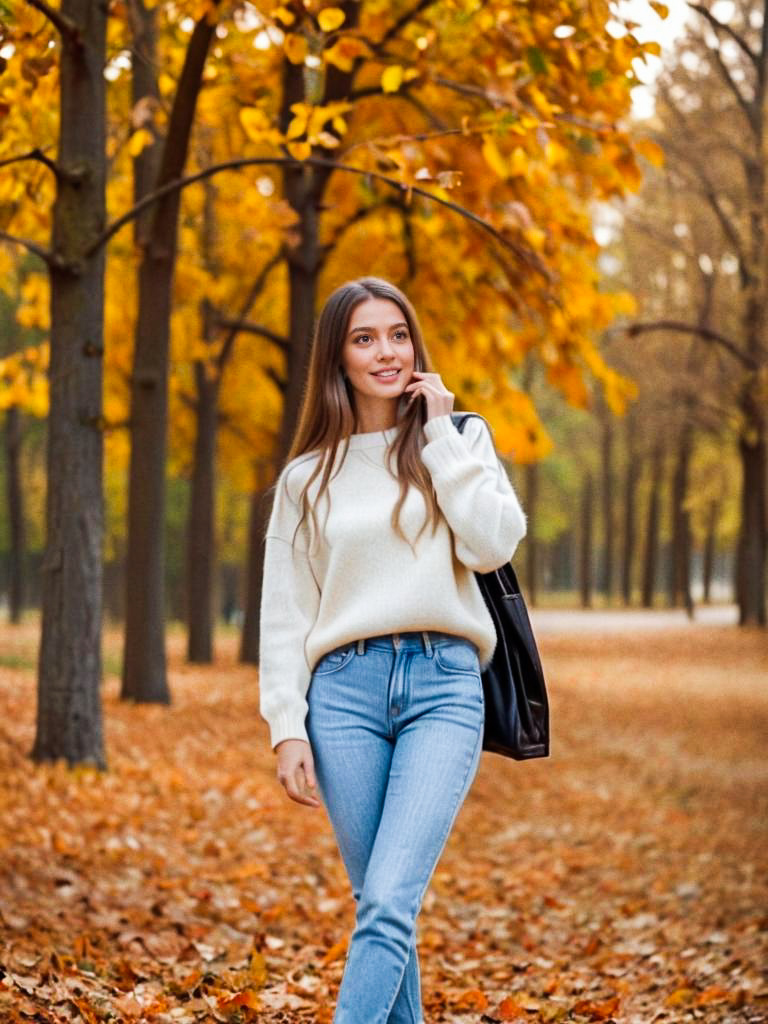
(246,327)
(236,326)
(404,19)
(526,256)
(633,330)
(66,28)
(720,26)
(34,154)
(44,254)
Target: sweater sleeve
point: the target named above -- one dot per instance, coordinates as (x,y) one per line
(474,492)
(290,600)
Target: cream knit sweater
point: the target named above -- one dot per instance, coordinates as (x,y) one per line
(363,580)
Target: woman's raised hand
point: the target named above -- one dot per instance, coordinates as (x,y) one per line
(438,398)
(296,771)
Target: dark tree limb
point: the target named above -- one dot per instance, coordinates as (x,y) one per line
(34,154)
(720,26)
(525,255)
(45,255)
(66,28)
(633,330)
(235,326)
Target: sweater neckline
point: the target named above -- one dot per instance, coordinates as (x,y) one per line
(374,438)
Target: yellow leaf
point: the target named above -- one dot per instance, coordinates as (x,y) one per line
(343,53)
(392,78)
(299,150)
(519,162)
(295,48)
(254,122)
(283,14)
(661,9)
(651,150)
(297,127)
(330,18)
(652,47)
(139,141)
(494,158)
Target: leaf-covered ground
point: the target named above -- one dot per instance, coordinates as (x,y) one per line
(623,879)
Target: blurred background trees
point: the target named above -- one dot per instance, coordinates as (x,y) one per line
(254,156)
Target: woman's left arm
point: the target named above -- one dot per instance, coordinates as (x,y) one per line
(473,491)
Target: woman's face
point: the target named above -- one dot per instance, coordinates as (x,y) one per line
(377,340)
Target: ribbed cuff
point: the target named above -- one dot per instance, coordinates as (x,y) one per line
(439,426)
(287,725)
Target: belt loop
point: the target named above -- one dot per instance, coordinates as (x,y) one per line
(361,645)
(427,643)
(396,641)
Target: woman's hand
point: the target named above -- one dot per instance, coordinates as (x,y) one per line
(439,399)
(296,771)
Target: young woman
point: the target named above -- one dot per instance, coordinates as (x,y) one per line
(373,628)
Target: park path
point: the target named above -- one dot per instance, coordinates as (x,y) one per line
(623,879)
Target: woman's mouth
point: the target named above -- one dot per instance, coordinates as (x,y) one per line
(387,374)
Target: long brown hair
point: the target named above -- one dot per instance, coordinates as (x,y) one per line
(328,414)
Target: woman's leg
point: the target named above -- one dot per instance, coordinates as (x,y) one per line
(353,753)
(435,712)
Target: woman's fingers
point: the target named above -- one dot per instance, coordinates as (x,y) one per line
(296,773)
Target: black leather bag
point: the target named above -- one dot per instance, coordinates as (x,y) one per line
(516,705)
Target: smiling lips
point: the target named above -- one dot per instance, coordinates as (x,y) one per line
(387,374)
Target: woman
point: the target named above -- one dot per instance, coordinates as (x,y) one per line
(373,628)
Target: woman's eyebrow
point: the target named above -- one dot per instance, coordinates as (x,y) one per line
(354,330)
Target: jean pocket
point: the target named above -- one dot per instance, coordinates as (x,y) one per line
(458,657)
(333,661)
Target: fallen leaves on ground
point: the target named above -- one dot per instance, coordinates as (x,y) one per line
(623,879)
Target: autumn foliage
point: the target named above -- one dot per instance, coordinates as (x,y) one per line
(621,880)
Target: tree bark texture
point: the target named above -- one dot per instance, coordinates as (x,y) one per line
(144,664)
(69,718)
(16,568)
(651,552)
(609,531)
(631,479)
(586,551)
(680,557)
(257,525)
(200,533)
(710,543)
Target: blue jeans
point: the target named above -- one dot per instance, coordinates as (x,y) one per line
(395,724)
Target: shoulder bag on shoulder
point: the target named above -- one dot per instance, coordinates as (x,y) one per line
(516,706)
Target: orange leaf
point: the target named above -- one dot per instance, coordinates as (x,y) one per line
(472,999)
(510,1009)
(337,950)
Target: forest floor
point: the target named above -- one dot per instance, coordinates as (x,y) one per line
(623,879)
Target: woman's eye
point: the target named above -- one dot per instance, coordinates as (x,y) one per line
(401,334)
(363,337)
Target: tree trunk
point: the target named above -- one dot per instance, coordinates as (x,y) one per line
(631,480)
(200,536)
(303,188)
(751,559)
(15,513)
(651,553)
(609,533)
(708,562)
(259,517)
(69,719)
(531,544)
(680,561)
(144,666)
(586,553)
